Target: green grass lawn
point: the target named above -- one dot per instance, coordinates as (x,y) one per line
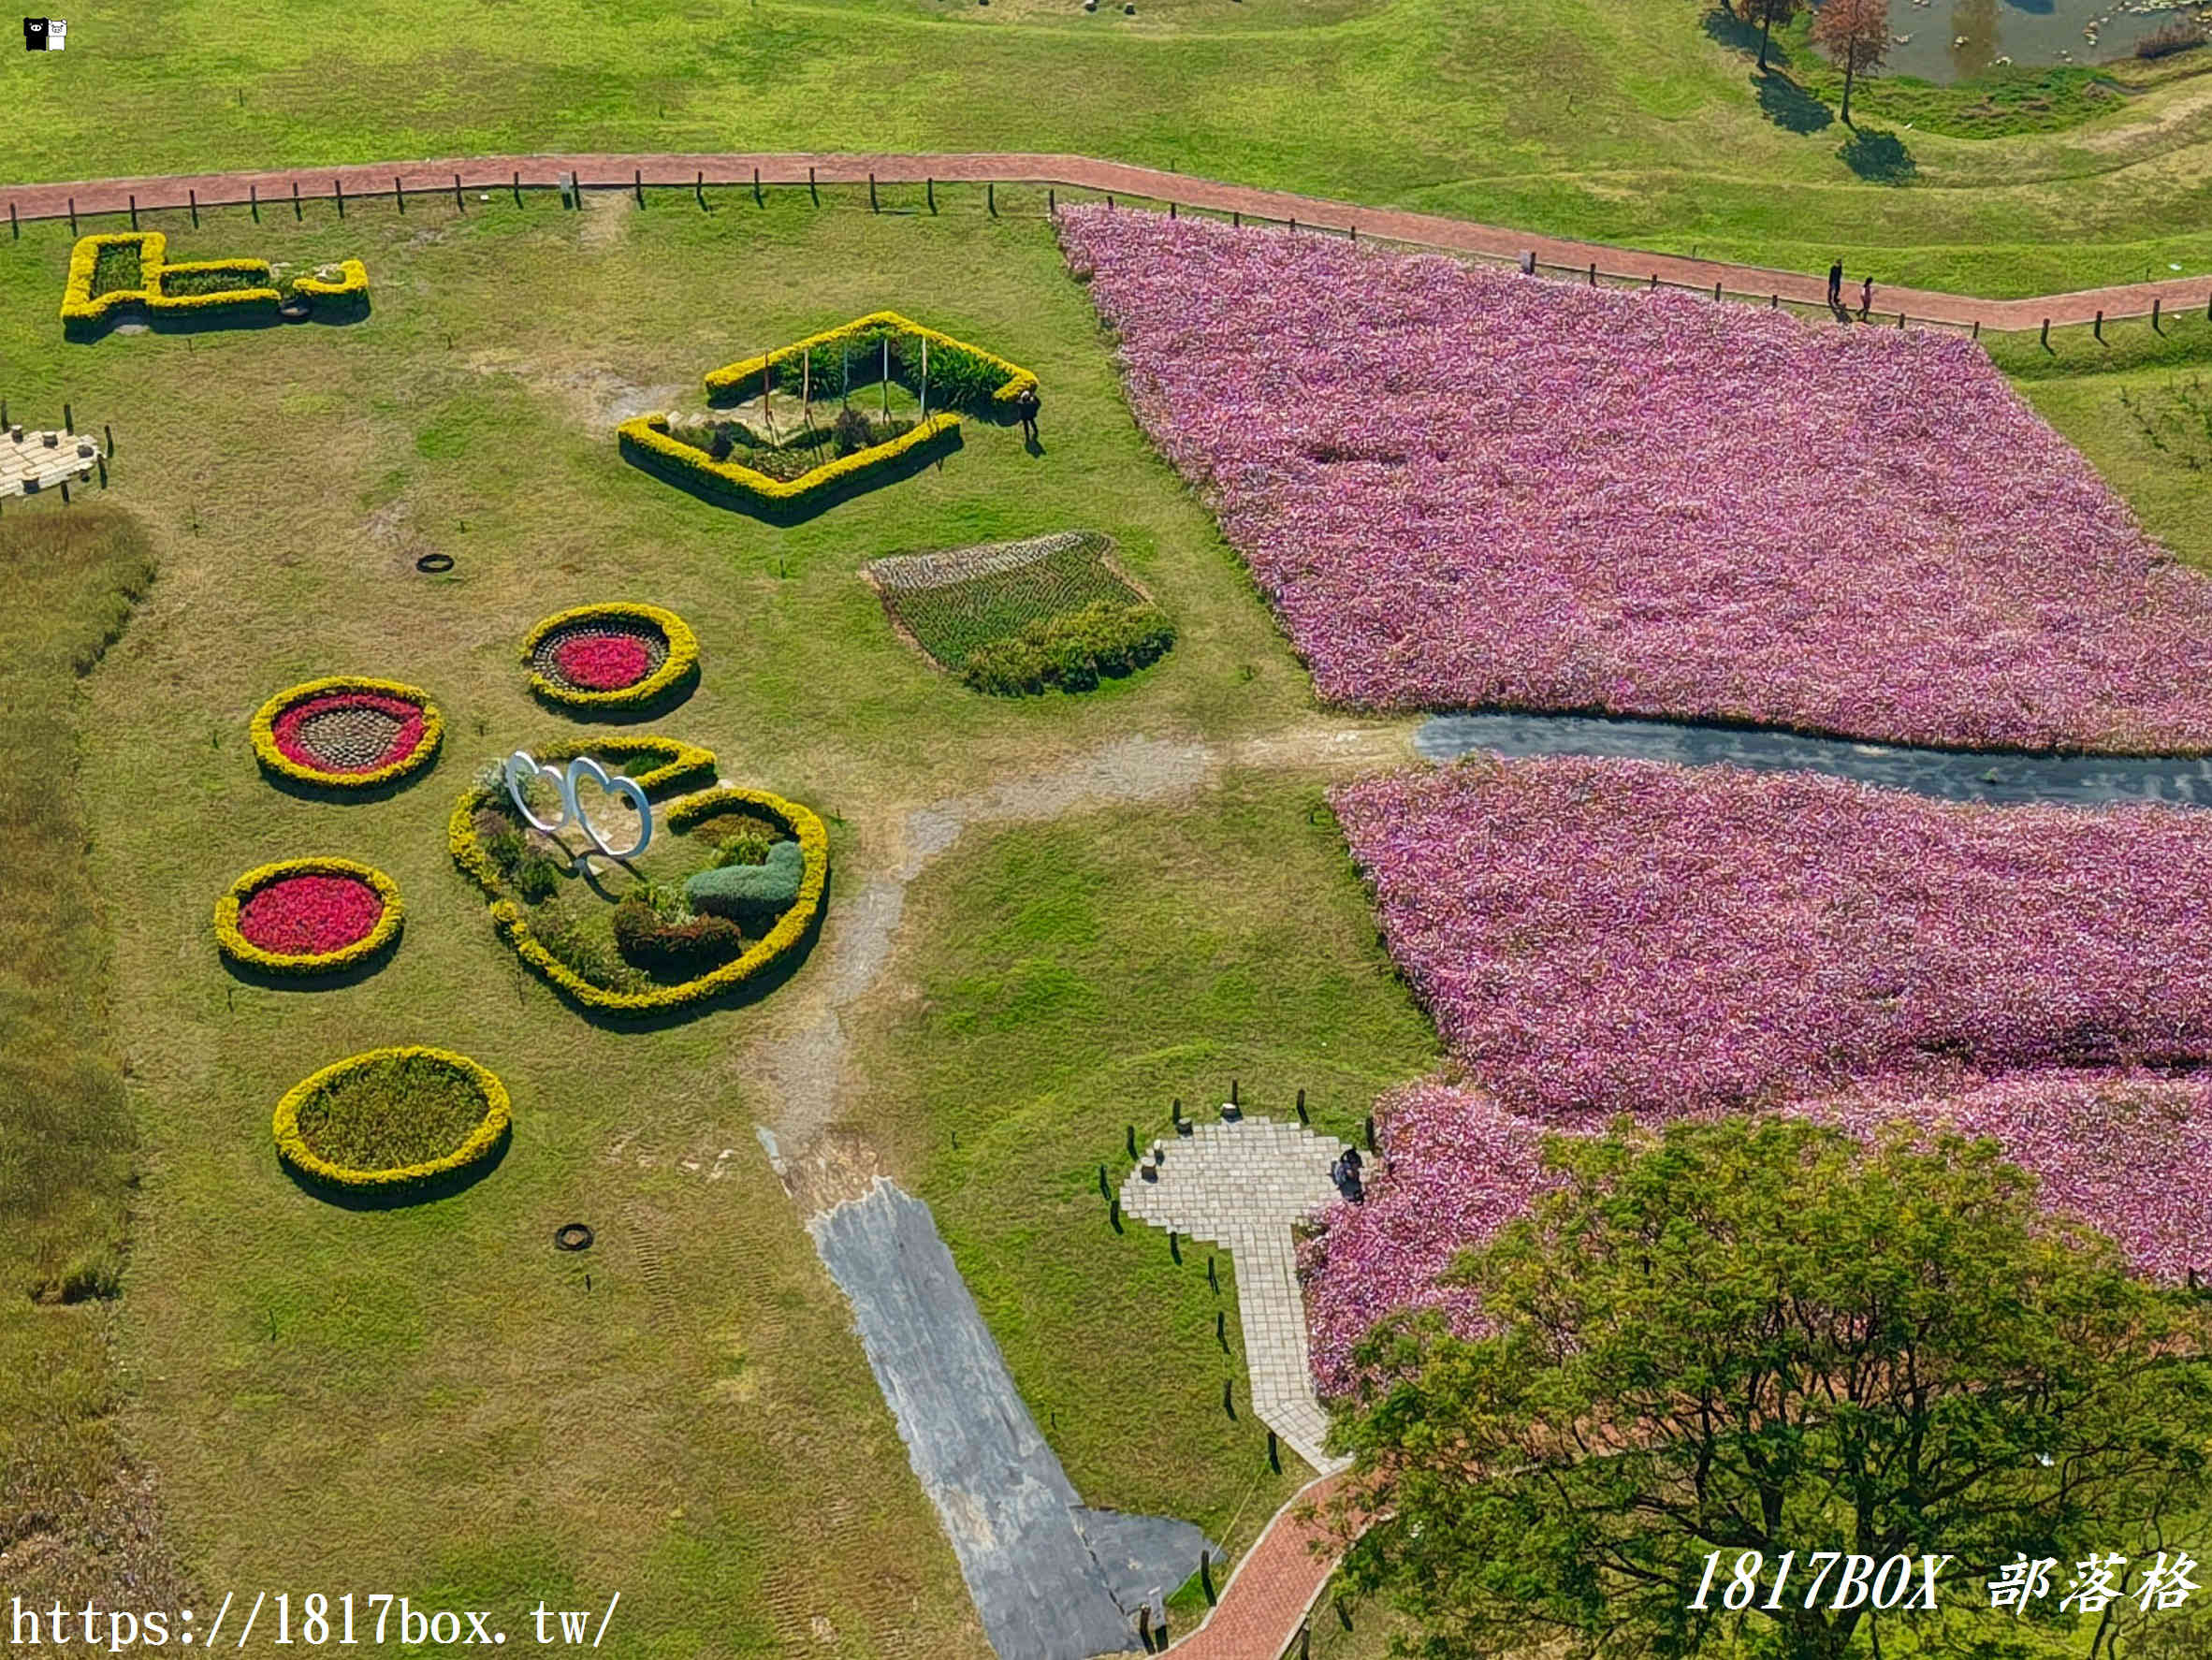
(437,1399)
(1642,125)
(434,1395)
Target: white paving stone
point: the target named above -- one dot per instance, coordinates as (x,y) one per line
(1242,1184)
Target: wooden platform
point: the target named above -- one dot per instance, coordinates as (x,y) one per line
(29,463)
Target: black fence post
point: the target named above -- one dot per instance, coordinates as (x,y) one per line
(1105,1189)
(338,196)
(2098,328)
(1229,1404)
(1274,1455)
(68,421)
(1302,1117)
(295,214)
(1977,328)
(929,185)
(991,197)
(1593,273)
(2047,334)
(814,195)
(72,216)
(15,229)
(1371,1132)
(1170,210)
(1716,293)
(133,212)
(757,200)
(2154,315)
(1220,1316)
(106,431)
(1236,220)
(1114,1214)
(458,206)
(1654,281)
(1051,205)
(1175,1247)
(194,195)
(253,199)
(1131,1135)
(1774,302)
(699,189)
(638,184)
(399,196)
(873,207)
(1212,1279)
(1206,1566)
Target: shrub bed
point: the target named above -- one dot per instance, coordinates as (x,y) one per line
(646,443)
(612,657)
(1072,652)
(391,1120)
(309,916)
(961,376)
(347,732)
(656,950)
(111,272)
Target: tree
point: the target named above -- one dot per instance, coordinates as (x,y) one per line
(1761,1336)
(1767,13)
(1854,35)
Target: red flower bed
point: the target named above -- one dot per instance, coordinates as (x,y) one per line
(348,731)
(603,662)
(310,916)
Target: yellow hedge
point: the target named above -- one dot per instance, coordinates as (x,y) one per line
(683,656)
(480,1144)
(735,377)
(239,949)
(78,304)
(353,278)
(274,760)
(792,927)
(646,442)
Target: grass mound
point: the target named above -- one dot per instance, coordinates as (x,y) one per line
(1011,616)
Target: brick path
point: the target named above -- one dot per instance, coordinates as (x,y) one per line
(1242,1185)
(481,173)
(1273,1588)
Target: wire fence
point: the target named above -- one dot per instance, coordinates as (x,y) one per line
(993,200)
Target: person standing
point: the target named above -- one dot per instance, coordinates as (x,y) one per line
(1866,299)
(1836,286)
(1027,405)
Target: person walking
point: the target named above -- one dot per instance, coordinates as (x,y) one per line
(1866,299)
(1836,287)
(1027,405)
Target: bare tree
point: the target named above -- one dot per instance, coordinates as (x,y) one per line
(1767,13)
(1854,35)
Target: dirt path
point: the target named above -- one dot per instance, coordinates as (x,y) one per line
(458,176)
(800,1063)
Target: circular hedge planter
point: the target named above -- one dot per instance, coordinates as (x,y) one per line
(345,733)
(392,1122)
(603,659)
(309,916)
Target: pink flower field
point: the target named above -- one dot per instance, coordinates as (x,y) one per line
(1598,936)
(1467,489)
(2131,1155)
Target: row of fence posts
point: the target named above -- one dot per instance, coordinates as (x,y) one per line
(570,192)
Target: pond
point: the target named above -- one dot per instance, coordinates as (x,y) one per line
(1947,41)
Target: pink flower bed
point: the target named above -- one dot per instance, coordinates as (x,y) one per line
(2131,1155)
(310,916)
(348,731)
(603,662)
(1595,937)
(1464,487)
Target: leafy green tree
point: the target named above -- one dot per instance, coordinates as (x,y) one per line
(1761,1336)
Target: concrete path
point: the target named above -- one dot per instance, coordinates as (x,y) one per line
(1949,775)
(457,176)
(1052,1579)
(1242,1185)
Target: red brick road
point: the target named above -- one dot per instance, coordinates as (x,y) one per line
(1273,1590)
(1079,172)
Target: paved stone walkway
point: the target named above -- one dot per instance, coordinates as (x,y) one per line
(364,181)
(1242,1184)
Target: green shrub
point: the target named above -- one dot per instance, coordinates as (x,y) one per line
(1073,651)
(681,949)
(579,950)
(749,847)
(752,895)
(851,431)
(536,877)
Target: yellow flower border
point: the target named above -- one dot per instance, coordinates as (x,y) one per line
(733,377)
(646,442)
(239,949)
(78,304)
(275,761)
(514,927)
(353,278)
(683,656)
(478,1145)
